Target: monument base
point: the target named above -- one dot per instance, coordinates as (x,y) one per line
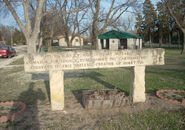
(57,89)
(137,89)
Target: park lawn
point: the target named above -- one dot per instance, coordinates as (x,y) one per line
(16,85)
(18,62)
(175,53)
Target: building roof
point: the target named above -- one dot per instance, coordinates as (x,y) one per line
(117,35)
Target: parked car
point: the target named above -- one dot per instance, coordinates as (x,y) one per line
(7,51)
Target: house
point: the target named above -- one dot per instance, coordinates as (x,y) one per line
(114,40)
(77,41)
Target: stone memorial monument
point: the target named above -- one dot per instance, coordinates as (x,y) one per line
(57,63)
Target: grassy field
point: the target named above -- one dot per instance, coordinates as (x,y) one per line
(18,62)
(33,89)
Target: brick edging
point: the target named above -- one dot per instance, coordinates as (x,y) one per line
(14,115)
(170,100)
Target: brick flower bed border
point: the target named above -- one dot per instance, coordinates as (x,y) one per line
(14,115)
(170,100)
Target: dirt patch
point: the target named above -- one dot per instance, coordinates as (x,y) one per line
(79,117)
(75,116)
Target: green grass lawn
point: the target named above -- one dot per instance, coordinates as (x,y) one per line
(175,53)
(18,62)
(15,86)
(152,120)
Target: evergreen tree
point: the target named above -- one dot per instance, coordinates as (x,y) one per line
(18,36)
(149,16)
(162,21)
(177,11)
(139,22)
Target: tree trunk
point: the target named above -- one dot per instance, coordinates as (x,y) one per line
(80,43)
(183,46)
(150,39)
(95,26)
(11,38)
(3,39)
(50,39)
(179,40)
(160,41)
(95,34)
(170,39)
(69,43)
(38,43)
(49,45)
(94,41)
(31,45)
(71,40)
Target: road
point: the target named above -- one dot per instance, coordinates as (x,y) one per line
(21,50)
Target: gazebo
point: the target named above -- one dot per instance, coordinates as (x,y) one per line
(114,40)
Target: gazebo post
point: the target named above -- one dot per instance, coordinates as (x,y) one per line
(99,44)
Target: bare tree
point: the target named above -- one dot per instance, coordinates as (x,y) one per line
(3,34)
(73,22)
(63,17)
(102,18)
(31,33)
(48,23)
(123,24)
(6,34)
(177,11)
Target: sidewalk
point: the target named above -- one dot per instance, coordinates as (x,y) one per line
(8,61)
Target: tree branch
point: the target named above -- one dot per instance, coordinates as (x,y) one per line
(38,16)
(173,15)
(12,10)
(26,16)
(91,5)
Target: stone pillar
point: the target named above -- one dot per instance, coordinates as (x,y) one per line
(130,43)
(104,43)
(99,44)
(56,79)
(140,40)
(113,44)
(137,44)
(137,90)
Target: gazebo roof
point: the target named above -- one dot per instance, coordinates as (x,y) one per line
(117,35)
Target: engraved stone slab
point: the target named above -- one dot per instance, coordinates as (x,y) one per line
(55,63)
(92,59)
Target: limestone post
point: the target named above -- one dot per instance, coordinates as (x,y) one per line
(141,44)
(104,43)
(113,44)
(57,89)
(137,90)
(99,44)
